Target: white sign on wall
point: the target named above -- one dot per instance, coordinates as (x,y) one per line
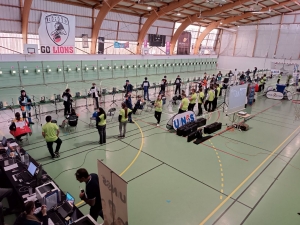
(57,33)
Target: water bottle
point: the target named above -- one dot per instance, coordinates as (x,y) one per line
(23,159)
(26,159)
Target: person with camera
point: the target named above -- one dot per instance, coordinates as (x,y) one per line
(91,195)
(28,218)
(25,104)
(50,132)
(67,97)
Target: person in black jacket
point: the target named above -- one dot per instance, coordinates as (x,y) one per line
(146,86)
(178,84)
(67,97)
(128,87)
(25,104)
(28,218)
(163,84)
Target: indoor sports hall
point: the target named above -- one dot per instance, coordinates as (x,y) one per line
(215,141)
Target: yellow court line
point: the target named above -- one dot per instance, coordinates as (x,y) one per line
(132,162)
(244,181)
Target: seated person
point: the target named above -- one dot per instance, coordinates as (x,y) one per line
(28,218)
(138,104)
(19,127)
(71,115)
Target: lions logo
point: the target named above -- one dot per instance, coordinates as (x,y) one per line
(57,28)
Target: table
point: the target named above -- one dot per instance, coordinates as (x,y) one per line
(236,119)
(19,191)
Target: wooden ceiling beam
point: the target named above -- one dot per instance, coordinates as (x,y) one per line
(288,8)
(154,16)
(25,19)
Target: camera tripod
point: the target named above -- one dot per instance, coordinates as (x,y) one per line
(37,112)
(113,100)
(86,101)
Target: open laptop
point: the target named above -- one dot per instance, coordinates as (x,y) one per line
(28,174)
(67,207)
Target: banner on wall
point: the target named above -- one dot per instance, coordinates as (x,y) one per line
(167,48)
(121,45)
(85,41)
(57,33)
(101,45)
(113,190)
(184,43)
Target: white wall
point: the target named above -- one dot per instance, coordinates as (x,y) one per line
(261,40)
(244,63)
(78,57)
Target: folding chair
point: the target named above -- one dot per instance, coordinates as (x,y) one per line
(93,118)
(111,112)
(72,122)
(141,109)
(150,105)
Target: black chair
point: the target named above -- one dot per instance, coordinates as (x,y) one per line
(72,122)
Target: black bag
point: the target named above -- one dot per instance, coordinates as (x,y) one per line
(194,135)
(243,126)
(201,122)
(212,128)
(12,127)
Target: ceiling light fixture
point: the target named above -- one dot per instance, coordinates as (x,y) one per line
(178,14)
(149,7)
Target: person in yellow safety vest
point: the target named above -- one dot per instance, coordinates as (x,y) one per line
(262,82)
(217,93)
(158,109)
(200,101)
(209,99)
(279,77)
(193,100)
(184,104)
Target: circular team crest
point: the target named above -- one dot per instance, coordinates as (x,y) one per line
(58,28)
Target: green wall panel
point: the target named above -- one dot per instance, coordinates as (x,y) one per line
(177,68)
(142,66)
(136,75)
(170,67)
(184,67)
(90,70)
(160,66)
(104,73)
(7,79)
(32,77)
(203,64)
(151,67)
(130,72)
(118,72)
(74,74)
(54,76)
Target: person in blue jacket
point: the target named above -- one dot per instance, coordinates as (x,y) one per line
(25,104)
(146,86)
(128,87)
(128,103)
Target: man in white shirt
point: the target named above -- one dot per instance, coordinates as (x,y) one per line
(95,92)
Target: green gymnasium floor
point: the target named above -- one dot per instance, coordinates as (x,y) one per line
(234,178)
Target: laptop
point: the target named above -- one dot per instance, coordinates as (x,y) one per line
(67,207)
(28,174)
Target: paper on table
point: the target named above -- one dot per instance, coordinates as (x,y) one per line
(13,144)
(20,124)
(50,222)
(7,168)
